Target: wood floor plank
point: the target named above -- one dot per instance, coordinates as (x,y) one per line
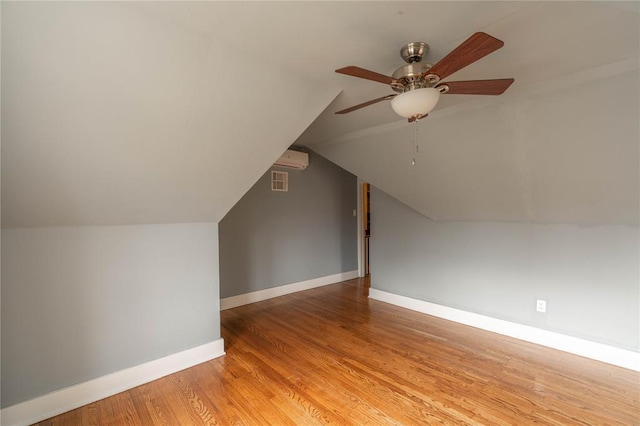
(330,355)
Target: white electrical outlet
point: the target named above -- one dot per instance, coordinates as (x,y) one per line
(541,305)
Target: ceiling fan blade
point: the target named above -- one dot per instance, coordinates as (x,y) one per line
(371,102)
(475,47)
(477,87)
(363,73)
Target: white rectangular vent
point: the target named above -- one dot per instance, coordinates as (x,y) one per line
(293,160)
(279,181)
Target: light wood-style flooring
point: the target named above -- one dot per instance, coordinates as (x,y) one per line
(332,356)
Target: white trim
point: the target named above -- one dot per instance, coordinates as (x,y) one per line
(598,351)
(270,293)
(63,400)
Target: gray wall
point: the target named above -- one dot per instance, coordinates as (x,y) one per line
(82,302)
(272,238)
(589,275)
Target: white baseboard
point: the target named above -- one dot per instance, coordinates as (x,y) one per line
(61,401)
(269,293)
(598,351)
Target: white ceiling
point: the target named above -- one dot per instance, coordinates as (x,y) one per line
(113,117)
(155,112)
(543,40)
(568,155)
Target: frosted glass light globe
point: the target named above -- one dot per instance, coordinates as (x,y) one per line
(415,102)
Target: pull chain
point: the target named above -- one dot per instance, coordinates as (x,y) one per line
(416,146)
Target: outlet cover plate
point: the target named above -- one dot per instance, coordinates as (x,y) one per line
(541,305)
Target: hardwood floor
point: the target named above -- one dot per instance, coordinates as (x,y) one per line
(331,355)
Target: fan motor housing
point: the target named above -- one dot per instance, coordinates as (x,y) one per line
(410,76)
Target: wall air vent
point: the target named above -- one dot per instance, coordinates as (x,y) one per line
(293,160)
(279,181)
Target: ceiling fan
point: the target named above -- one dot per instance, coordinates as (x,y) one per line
(419,85)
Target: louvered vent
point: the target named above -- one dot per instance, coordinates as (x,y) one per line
(279,181)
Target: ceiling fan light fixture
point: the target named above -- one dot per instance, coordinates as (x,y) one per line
(419,83)
(417,102)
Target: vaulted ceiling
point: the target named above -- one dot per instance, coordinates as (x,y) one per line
(158,112)
(560,146)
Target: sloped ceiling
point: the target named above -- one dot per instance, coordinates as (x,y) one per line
(561,146)
(565,156)
(544,41)
(155,112)
(112,116)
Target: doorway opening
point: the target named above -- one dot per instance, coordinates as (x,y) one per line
(366,227)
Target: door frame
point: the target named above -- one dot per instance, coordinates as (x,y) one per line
(360,232)
(362,249)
